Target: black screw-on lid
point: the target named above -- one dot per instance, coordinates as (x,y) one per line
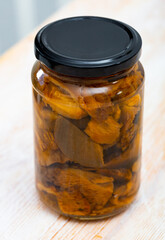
(88,46)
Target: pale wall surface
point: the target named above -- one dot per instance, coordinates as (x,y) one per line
(22,215)
(19,17)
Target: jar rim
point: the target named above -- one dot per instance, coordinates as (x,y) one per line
(88,46)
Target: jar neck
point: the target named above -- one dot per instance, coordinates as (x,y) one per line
(88,80)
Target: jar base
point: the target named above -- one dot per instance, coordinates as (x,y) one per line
(53,205)
(101,217)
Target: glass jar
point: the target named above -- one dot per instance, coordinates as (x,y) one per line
(88,106)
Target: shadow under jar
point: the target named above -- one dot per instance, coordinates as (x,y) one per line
(88,105)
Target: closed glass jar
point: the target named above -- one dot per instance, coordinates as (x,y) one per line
(87,117)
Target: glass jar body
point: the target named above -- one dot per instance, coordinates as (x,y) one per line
(88,135)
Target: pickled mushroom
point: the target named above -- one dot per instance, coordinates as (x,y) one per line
(111,152)
(125,191)
(96,179)
(103,211)
(126,158)
(136,166)
(50,157)
(98,106)
(116,112)
(45,140)
(72,202)
(127,115)
(50,190)
(66,106)
(97,195)
(127,136)
(134,101)
(120,191)
(123,201)
(72,176)
(62,102)
(128,112)
(44,116)
(128,85)
(97,190)
(43,111)
(106,132)
(76,145)
(67,88)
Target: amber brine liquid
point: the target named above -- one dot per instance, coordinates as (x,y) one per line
(88,136)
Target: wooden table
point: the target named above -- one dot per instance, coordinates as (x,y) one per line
(22,215)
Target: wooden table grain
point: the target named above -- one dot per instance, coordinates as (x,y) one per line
(22,215)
